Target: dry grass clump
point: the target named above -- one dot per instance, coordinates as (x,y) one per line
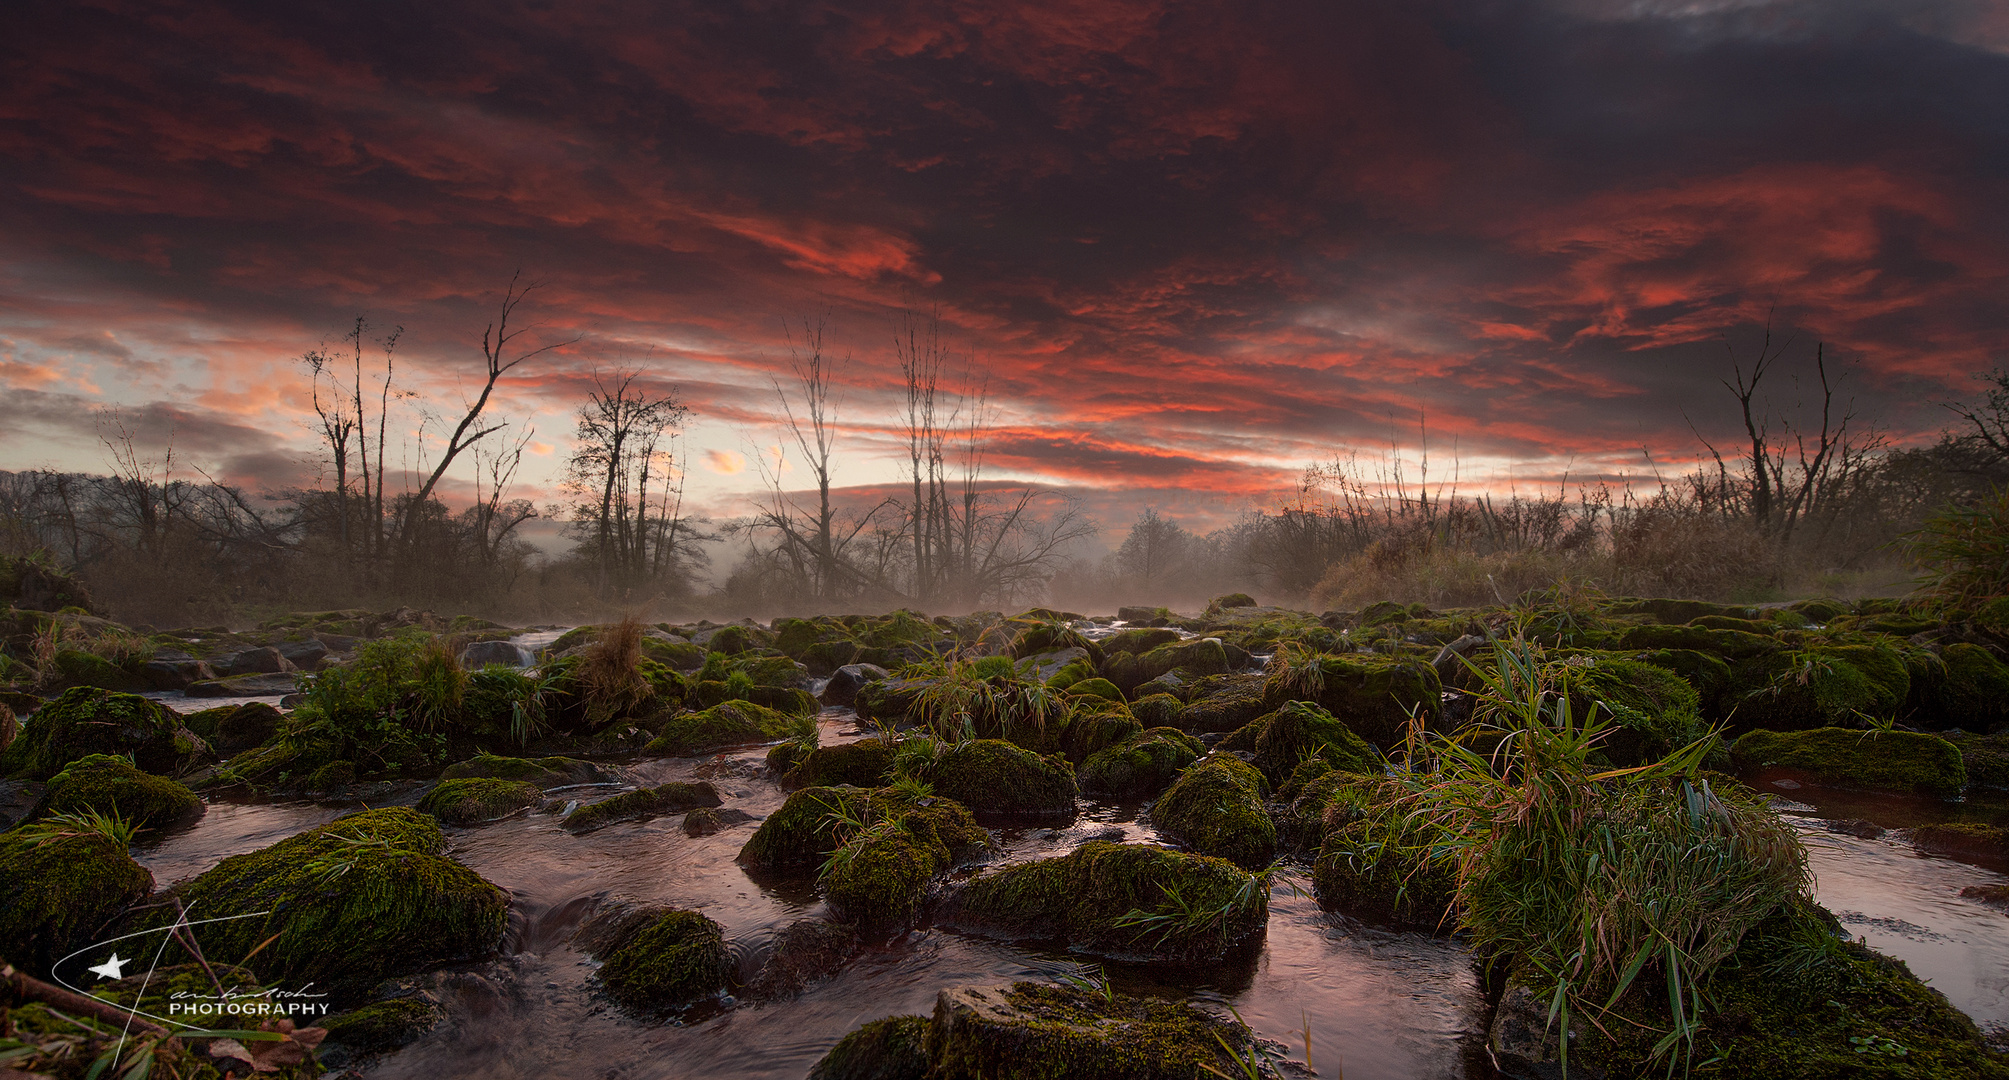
(610,669)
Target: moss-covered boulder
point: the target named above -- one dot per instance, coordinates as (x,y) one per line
(1986,758)
(1300,730)
(474,800)
(1141,765)
(1373,696)
(1651,710)
(894,1048)
(671,798)
(1092,725)
(808,951)
(865,763)
(1138,640)
(61,889)
(1972,693)
(85,721)
(1901,761)
(383,1025)
(1195,657)
(1036,1031)
(350,903)
(1731,645)
(880,876)
(1372,866)
(1224,703)
(1157,710)
(1127,900)
(992,776)
(669,961)
(1216,808)
(1708,673)
(234,728)
(808,827)
(720,727)
(1828,686)
(110,785)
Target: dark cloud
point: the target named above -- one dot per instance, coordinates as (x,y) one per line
(1192,246)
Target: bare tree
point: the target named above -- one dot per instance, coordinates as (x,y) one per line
(629,518)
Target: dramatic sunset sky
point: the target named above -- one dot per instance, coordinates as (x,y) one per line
(1195,246)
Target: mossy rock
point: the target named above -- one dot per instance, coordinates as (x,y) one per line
(1367,868)
(1040,1031)
(1093,725)
(1729,622)
(1157,710)
(363,898)
(1372,695)
(803,832)
(1099,688)
(720,727)
(1963,839)
(1708,673)
(1821,687)
(671,798)
(1141,765)
(1224,704)
(1195,657)
(60,894)
(77,668)
(110,784)
(1216,808)
(1652,711)
(808,951)
(1901,761)
(1797,1001)
(234,728)
(473,800)
(1973,693)
(865,763)
(880,877)
(1299,730)
(992,776)
(1985,756)
(85,721)
(674,960)
(894,1048)
(544,771)
(1093,896)
(1318,795)
(384,1025)
(1731,645)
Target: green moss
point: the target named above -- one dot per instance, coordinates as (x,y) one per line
(671,798)
(894,1048)
(1034,1031)
(1974,693)
(1157,710)
(1729,644)
(803,831)
(1216,808)
(75,667)
(1708,673)
(329,777)
(544,772)
(1299,730)
(1371,867)
(363,898)
(1121,899)
(865,763)
(1985,756)
(1319,791)
(1821,687)
(473,800)
(1194,657)
(1966,839)
(1101,688)
(1653,711)
(384,1025)
(59,894)
(1138,640)
(106,784)
(1372,695)
(1797,1001)
(1224,704)
(1875,760)
(241,726)
(880,877)
(1141,765)
(1726,622)
(85,721)
(678,959)
(720,727)
(996,777)
(1093,724)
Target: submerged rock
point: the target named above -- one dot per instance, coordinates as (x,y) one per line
(806,952)
(659,959)
(384,1025)
(671,798)
(1963,839)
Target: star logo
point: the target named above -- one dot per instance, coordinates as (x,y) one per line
(110,968)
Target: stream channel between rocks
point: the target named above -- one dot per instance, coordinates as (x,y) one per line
(1377,1004)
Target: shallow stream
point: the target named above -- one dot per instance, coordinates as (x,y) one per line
(1376,1004)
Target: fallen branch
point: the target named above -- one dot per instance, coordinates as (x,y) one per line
(23,985)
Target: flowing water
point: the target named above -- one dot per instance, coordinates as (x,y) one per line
(1377,1004)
